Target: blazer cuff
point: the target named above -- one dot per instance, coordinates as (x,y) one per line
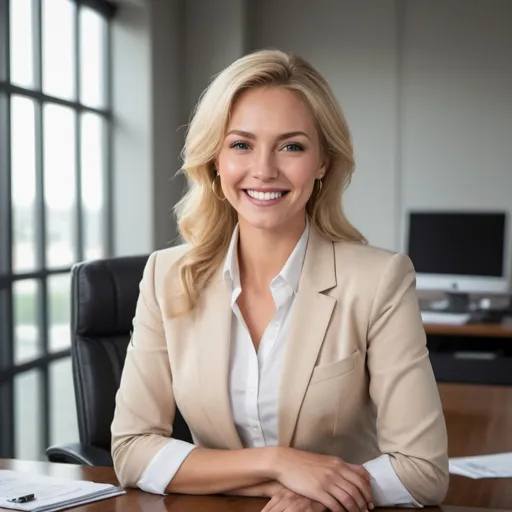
(387,488)
(164,465)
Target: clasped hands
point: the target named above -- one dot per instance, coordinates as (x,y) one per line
(309,482)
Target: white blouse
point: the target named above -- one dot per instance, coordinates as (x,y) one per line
(254,384)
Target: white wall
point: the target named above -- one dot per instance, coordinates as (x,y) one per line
(425,87)
(214,38)
(165,53)
(132,135)
(427,90)
(457,104)
(353,45)
(168,115)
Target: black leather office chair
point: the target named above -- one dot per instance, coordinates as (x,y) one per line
(103,300)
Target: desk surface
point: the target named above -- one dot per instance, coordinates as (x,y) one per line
(482,330)
(478,419)
(136,500)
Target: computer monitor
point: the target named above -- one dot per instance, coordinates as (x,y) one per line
(459,253)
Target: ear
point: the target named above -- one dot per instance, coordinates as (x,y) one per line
(321,171)
(215,166)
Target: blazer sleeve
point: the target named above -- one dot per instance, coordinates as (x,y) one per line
(410,422)
(145,405)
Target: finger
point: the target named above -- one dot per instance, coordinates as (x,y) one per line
(362,485)
(361,470)
(305,505)
(278,507)
(302,506)
(278,496)
(270,505)
(354,493)
(330,502)
(278,504)
(299,505)
(345,499)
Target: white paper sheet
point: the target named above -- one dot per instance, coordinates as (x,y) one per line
(51,493)
(498,465)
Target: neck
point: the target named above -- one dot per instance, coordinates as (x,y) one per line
(262,253)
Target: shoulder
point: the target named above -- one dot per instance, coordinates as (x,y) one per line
(164,260)
(161,272)
(160,262)
(369,264)
(365,256)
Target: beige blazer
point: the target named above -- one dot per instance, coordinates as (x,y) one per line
(357,380)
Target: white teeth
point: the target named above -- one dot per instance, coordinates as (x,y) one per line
(264,196)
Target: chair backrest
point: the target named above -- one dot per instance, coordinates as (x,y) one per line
(104,297)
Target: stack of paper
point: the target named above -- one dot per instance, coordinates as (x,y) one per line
(498,465)
(50,493)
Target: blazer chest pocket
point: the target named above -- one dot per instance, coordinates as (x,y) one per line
(336,369)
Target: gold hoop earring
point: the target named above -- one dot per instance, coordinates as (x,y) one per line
(214,187)
(319,181)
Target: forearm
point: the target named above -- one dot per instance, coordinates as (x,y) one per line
(264,490)
(387,488)
(221,471)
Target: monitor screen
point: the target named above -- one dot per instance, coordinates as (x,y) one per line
(455,243)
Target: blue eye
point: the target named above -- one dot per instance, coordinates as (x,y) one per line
(240,145)
(293,147)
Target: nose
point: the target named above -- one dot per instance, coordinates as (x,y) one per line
(265,168)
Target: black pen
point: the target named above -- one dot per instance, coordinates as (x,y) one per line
(23,499)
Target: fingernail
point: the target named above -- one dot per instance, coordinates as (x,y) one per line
(372,506)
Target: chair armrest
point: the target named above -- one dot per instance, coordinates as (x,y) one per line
(76,453)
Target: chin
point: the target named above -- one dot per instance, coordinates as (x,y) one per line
(267,224)
(271,222)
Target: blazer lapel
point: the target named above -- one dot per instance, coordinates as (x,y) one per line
(312,311)
(212,333)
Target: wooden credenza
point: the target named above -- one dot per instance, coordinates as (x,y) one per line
(472,353)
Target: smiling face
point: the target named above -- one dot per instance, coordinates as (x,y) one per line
(270,158)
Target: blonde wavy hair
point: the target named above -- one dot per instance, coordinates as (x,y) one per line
(205,223)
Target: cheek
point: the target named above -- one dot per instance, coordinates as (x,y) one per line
(300,173)
(231,168)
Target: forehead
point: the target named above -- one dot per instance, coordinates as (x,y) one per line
(271,109)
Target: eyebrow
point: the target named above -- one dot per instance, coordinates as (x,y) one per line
(250,135)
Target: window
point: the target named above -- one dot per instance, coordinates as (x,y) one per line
(55,207)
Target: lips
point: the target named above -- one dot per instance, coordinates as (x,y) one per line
(265,196)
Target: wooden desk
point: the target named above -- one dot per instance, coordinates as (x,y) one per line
(479,422)
(478,418)
(137,501)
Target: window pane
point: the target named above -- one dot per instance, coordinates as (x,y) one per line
(59,308)
(93,136)
(27,333)
(22,43)
(28,415)
(58,48)
(59,184)
(92,53)
(64,427)
(23,148)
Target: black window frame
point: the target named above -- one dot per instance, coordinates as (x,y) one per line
(8,368)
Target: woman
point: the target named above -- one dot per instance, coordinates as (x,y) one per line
(294,351)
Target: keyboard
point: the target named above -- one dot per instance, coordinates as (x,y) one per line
(438,317)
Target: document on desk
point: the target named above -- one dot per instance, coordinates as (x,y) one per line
(498,465)
(49,494)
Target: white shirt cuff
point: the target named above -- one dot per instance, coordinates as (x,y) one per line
(164,466)
(387,489)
